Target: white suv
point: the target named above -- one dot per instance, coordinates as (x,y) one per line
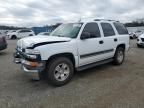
(20,34)
(70,47)
(140,41)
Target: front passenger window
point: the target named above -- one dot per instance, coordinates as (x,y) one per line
(92,29)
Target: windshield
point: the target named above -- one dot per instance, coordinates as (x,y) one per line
(67,30)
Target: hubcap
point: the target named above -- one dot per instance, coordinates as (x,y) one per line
(61,72)
(120,56)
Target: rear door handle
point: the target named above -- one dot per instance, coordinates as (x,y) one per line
(101,42)
(115,39)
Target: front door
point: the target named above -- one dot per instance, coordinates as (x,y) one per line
(90,49)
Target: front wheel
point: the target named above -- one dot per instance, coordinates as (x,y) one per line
(119,56)
(60,71)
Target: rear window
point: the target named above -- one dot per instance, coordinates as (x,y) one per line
(120,28)
(107,29)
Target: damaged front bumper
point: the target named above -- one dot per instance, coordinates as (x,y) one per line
(32,67)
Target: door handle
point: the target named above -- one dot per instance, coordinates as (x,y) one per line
(115,39)
(101,42)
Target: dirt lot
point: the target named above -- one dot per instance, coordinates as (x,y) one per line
(105,86)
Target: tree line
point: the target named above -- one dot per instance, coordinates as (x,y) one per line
(134,24)
(3,27)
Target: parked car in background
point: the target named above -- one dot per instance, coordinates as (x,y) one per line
(132,35)
(138,33)
(44,33)
(20,34)
(3,43)
(72,46)
(140,41)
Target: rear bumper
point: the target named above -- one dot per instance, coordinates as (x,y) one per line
(3,46)
(29,67)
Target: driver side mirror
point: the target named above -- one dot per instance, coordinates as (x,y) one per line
(85,35)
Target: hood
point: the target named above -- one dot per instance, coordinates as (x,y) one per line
(40,39)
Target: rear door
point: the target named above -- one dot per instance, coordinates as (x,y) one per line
(110,40)
(123,36)
(21,33)
(29,33)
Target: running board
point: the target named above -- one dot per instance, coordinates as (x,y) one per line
(81,68)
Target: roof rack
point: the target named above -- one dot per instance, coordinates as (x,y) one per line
(104,20)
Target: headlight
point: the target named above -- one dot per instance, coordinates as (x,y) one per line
(31,51)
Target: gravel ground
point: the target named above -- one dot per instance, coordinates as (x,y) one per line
(105,86)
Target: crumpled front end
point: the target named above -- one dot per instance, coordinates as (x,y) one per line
(31,64)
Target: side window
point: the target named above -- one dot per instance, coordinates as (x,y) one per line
(92,29)
(107,29)
(27,31)
(21,31)
(120,28)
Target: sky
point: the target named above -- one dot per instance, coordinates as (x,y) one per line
(45,12)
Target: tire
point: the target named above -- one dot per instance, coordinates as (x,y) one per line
(14,37)
(56,74)
(119,56)
(139,46)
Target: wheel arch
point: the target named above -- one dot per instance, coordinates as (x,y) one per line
(67,55)
(122,46)
(13,36)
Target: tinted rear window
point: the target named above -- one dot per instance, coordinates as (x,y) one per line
(120,28)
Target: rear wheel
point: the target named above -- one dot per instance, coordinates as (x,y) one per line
(119,56)
(59,71)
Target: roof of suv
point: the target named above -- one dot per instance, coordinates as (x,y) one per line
(98,20)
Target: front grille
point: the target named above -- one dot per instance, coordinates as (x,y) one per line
(142,39)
